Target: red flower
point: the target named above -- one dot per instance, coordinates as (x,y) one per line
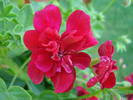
(81,91)
(53,55)
(129,97)
(104,69)
(129,79)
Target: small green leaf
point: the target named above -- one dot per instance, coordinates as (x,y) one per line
(1,6)
(2,86)
(8,9)
(36,89)
(19,93)
(13,93)
(115,94)
(26,14)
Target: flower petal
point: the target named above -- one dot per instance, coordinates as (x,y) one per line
(50,17)
(92,98)
(106,49)
(63,81)
(66,63)
(42,60)
(31,39)
(92,81)
(129,78)
(34,73)
(52,71)
(114,67)
(81,60)
(79,21)
(78,34)
(110,82)
(81,91)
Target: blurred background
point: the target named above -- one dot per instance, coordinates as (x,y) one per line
(110,19)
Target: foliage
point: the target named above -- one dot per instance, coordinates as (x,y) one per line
(109,21)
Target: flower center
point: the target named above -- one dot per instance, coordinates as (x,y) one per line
(57,56)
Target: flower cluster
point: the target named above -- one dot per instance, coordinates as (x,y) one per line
(55,55)
(104,69)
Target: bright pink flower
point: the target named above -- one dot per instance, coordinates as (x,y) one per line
(104,69)
(129,78)
(53,55)
(81,92)
(129,97)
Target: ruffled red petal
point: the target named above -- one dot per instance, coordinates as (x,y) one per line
(106,49)
(110,82)
(63,81)
(78,34)
(42,60)
(50,17)
(34,73)
(92,81)
(81,60)
(31,39)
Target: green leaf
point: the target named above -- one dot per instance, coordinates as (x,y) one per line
(8,9)
(19,93)
(13,93)
(26,14)
(2,86)
(36,89)
(48,95)
(7,76)
(1,6)
(115,94)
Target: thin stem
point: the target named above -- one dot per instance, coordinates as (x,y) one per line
(124,88)
(21,68)
(99,91)
(108,6)
(85,96)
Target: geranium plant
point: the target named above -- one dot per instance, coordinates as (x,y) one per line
(57,50)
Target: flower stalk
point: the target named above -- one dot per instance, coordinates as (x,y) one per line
(21,68)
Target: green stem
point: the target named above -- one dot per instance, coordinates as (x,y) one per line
(21,68)
(108,6)
(85,96)
(99,91)
(124,88)
(80,80)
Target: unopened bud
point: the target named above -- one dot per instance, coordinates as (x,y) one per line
(87,1)
(127,3)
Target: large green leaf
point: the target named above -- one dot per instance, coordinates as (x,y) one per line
(19,93)
(13,93)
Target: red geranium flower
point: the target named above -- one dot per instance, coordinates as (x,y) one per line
(81,91)
(104,69)
(53,55)
(129,97)
(129,79)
